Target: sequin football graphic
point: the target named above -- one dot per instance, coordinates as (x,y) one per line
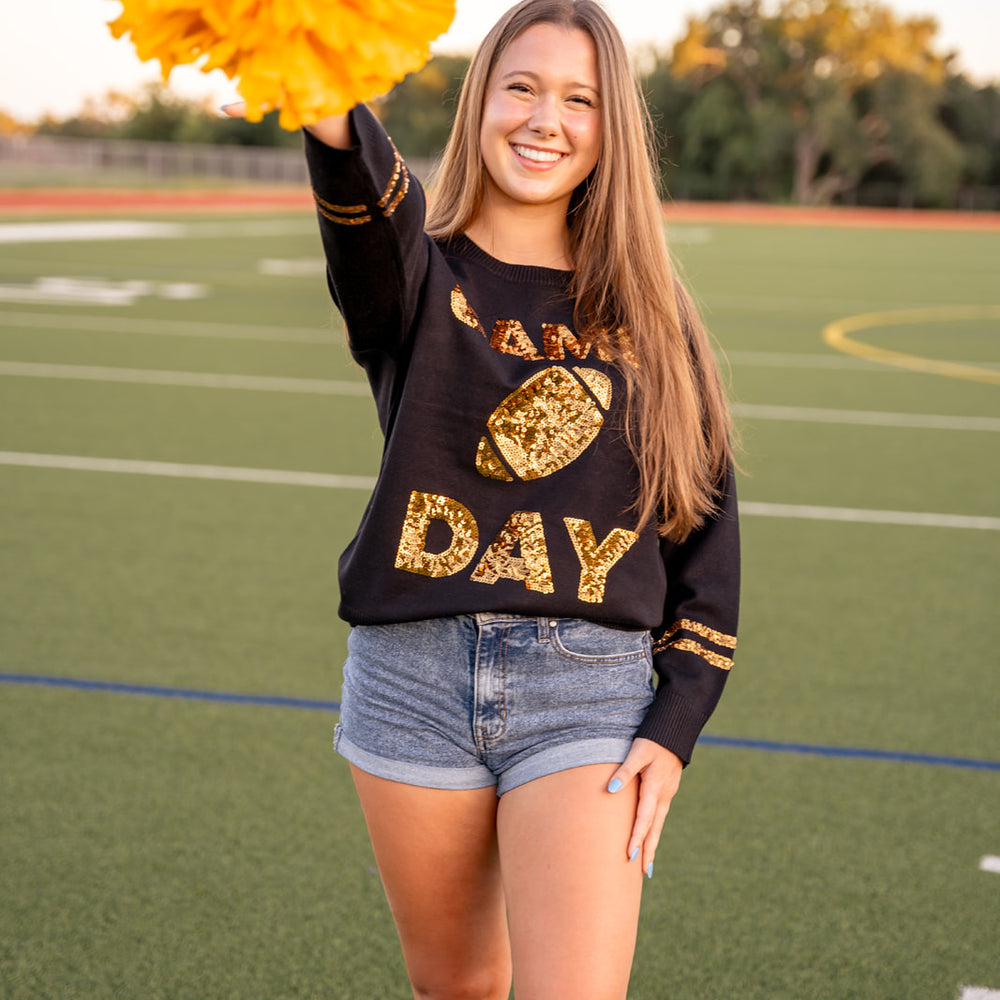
(544,424)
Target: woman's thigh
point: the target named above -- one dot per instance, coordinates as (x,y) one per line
(572,894)
(437,855)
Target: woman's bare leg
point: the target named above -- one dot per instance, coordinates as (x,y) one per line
(572,895)
(437,854)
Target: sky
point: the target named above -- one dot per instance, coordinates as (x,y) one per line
(54,54)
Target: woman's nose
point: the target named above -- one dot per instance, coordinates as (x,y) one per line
(544,118)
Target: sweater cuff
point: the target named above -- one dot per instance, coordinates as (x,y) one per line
(673,723)
(327,164)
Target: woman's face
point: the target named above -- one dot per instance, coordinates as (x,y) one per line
(541,129)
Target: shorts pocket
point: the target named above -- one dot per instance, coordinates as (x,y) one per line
(589,642)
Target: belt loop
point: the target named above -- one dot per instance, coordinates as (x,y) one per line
(543,629)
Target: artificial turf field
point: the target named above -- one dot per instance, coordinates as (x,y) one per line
(833,838)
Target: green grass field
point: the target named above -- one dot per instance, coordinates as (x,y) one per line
(167,848)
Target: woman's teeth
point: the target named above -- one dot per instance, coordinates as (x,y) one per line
(541,155)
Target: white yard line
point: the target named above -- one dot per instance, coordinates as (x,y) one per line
(84,463)
(201,380)
(296,267)
(308,335)
(63,232)
(303,225)
(868,418)
(169,328)
(179,470)
(127,229)
(854,515)
(58,290)
(330,387)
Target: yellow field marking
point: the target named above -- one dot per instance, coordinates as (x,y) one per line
(836,335)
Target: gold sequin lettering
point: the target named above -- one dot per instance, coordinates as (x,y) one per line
(524,528)
(596,561)
(421,510)
(623,343)
(509,337)
(557,339)
(462,310)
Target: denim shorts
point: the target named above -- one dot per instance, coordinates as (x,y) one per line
(490,699)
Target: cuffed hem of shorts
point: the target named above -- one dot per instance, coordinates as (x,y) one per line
(603,750)
(552,760)
(448,778)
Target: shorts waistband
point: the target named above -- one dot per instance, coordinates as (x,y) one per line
(545,625)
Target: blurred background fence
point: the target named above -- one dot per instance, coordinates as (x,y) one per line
(63,159)
(155,160)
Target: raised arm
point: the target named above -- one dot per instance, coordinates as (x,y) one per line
(334,131)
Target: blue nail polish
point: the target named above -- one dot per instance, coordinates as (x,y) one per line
(633,855)
(614,785)
(649,870)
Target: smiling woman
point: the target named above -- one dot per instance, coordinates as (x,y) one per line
(554,522)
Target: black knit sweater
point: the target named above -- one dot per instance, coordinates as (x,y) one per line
(506,480)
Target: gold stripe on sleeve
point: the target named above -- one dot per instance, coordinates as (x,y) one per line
(686,625)
(343,215)
(399,183)
(690,646)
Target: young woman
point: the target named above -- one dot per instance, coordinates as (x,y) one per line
(554,521)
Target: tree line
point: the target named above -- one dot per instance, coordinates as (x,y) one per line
(804,101)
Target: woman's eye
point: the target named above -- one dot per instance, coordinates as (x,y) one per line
(521,88)
(582,100)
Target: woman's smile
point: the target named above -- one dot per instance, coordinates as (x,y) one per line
(537,155)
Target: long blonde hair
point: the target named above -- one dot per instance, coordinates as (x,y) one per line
(628,300)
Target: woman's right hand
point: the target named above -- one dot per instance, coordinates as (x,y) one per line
(333,131)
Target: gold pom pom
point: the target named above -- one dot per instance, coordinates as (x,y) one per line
(310,58)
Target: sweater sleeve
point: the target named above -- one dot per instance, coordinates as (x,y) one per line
(371,218)
(693,647)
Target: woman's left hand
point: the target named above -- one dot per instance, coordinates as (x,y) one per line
(658,772)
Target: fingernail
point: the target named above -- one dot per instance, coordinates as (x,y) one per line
(649,870)
(614,785)
(633,855)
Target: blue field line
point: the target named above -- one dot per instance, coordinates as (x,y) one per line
(190,694)
(317,705)
(861,753)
